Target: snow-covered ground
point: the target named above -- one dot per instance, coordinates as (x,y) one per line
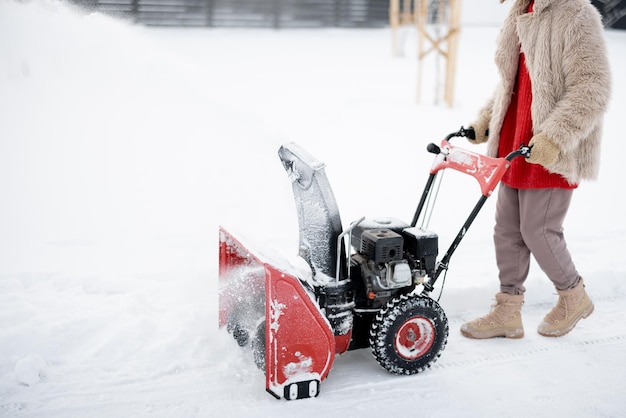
(122,149)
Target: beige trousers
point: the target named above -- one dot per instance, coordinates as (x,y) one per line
(530,221)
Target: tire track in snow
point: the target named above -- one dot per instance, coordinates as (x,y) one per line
(354,378)
(609,313)
(562,346)
(459,354)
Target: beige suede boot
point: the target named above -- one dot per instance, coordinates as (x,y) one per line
(573,305)
(504,320)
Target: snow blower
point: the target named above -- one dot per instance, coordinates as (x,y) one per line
(364,287)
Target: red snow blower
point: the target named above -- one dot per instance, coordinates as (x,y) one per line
(367,286)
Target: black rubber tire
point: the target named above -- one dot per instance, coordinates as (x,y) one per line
(239,334)
(258,346)
(409,334)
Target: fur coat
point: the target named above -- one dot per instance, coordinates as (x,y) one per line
(563,42)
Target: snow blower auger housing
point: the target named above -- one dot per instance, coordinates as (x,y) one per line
(366,286)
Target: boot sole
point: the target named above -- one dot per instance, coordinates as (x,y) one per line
(559,333)
(478,335)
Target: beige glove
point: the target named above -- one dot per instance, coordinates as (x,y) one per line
(543,150)
(481,128)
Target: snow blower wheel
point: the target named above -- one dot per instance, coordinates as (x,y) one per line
(239,333)
(409,334)
(258,346)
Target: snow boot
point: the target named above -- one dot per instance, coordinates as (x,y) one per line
(573,305)
(504,320)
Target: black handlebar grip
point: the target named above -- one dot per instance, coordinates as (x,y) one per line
(433,149)
(470,133)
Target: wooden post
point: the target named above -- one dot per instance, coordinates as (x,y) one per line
(453,45)
(438,24)
(444,21)
(401,13)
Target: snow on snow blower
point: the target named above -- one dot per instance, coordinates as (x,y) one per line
(367,286)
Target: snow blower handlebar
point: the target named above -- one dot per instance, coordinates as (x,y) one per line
(486,170)
(524,150)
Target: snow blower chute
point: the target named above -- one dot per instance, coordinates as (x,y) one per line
(368,285)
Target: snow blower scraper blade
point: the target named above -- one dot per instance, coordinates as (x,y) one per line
(264,306)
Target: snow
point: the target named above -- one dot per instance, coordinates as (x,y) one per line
(123,148)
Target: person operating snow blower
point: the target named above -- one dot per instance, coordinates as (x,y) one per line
(553,93)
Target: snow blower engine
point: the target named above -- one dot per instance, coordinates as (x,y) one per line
(364,287)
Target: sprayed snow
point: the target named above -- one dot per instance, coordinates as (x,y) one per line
(301,368)
(479,166)
(461,157)
(276,311)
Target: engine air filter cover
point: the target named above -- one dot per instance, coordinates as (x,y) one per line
(382,245)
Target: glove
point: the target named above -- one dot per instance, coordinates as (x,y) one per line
(543,151)
(481,129)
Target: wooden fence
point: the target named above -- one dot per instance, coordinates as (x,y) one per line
(248,13)
(280,13)
(613,12)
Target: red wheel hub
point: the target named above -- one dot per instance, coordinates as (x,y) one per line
(414,338)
